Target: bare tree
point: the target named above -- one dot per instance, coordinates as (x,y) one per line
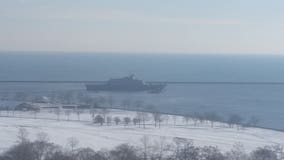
(104,112)
(237,153)
(57,112)
(78,112)
(157,118)
(23,135)
(67,114)
(174,117)
(35,112)
(72,142)
(42,137)
(42,148)
(279,150)
(126,120)
(109,120)
(186,118)
(13,113)
(264,153)
(145,145)
(162,149)
(117,120)
(178,149)
(166,118)
(144,117)
(135,121)
(86,154)
(184,150)
(99,119)
(234,119)
(7,108)
(212,117)
(211,153)
(124,152)
(139,118)
(22,151)
(196,117)
(92,111)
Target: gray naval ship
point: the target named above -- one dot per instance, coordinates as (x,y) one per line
(127,84)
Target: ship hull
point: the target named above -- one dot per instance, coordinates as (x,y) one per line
(151,88)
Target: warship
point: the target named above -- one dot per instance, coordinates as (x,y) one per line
(127,84)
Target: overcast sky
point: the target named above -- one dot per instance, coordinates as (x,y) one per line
(172,26)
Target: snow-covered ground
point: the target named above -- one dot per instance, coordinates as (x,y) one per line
(97,137)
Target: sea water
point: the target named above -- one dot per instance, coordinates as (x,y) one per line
(264,101)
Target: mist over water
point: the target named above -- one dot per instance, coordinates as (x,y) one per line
(263,101)
(150,67)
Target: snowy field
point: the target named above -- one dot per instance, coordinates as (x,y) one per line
(98,137)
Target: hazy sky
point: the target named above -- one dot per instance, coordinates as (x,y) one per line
(186,26)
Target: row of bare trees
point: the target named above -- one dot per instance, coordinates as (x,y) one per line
(142,117)
(213,117)
(148,149)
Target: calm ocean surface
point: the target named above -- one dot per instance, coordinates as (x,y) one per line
(265,101)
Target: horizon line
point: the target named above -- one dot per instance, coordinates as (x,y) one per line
(134,52)
(164,82)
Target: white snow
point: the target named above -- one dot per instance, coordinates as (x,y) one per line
(98,137)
